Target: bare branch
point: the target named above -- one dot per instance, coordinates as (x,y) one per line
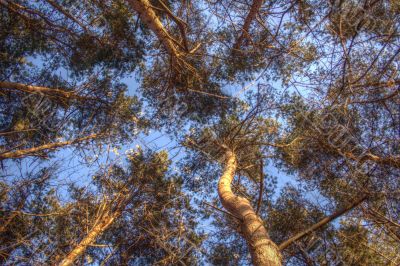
(321,223)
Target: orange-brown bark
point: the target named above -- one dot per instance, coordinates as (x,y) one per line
(150,19)
(89,239)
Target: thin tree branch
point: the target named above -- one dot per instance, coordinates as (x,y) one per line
(260,193)
(321,223)
(45,148)
(40,90)
(221,210)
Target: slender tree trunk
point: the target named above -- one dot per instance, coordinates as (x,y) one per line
(244,33)
(150,19)
(109,214)
(321,223)
(263,251)
(89,239)
(44,148)
(40,90)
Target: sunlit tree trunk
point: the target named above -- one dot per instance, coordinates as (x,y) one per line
(104,222)
(263,250)
(150,19)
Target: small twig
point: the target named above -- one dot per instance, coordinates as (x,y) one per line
(218,209)
(261,186)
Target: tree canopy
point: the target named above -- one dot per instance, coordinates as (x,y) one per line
(229,132)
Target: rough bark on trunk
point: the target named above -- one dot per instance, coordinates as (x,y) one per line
(150,19)
(40,90)
(262,249)
(244,33)
(89,239)
(44,148)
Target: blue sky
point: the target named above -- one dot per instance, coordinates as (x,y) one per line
(74,168)
(80,166)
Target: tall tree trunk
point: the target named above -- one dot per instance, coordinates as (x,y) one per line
(150,19)
(244,33)
(44,148)
(109,213)
(263,251)
(90,238)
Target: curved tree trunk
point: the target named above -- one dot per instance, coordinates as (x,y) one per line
(263,250)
